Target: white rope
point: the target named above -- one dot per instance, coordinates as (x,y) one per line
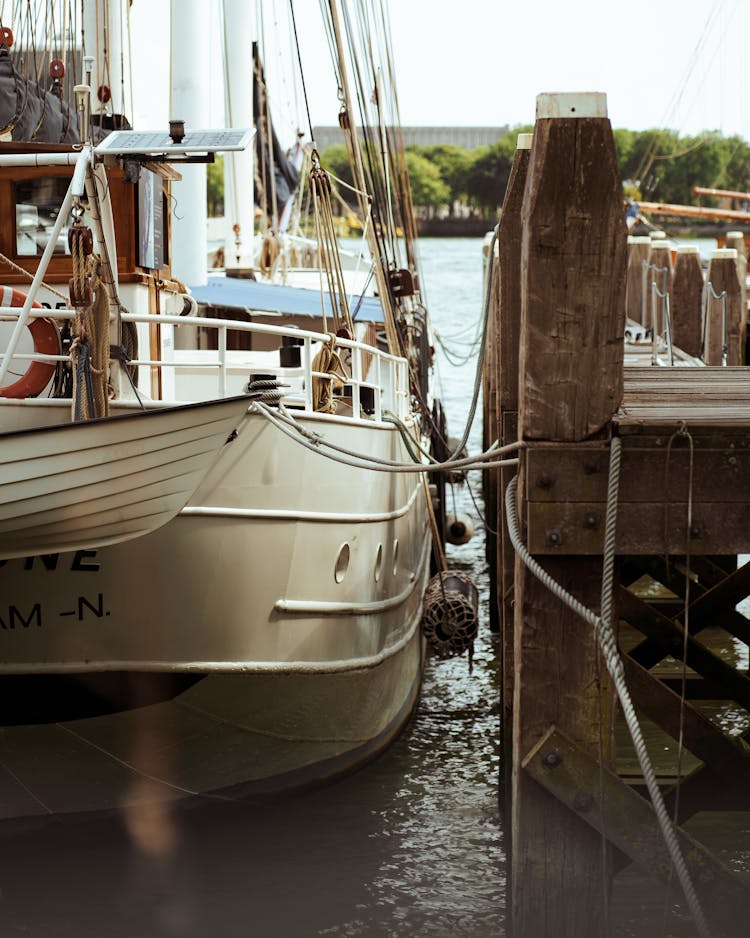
(314,442)
(605,634)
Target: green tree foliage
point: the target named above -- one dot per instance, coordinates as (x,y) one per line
(453,163)
(662,166)
(335,160)
(655,165)
(488,176)
(427,185)
(215,188)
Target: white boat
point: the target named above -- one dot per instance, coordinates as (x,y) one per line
(262,628)
(80,485)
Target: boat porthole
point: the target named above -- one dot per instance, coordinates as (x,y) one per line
(378,562)
(342,563)
(395,556)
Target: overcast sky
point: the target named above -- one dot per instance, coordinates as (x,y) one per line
(682,64)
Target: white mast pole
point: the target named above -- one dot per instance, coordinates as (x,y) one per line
(190,102)
(239,32)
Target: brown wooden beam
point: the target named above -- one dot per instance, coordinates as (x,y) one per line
(597,796)
(729,683)
(727,756)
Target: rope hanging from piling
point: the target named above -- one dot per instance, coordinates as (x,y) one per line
(607,639)
(709,294)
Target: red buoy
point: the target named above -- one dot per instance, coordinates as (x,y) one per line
(56,69)
(6,36)
(103,93)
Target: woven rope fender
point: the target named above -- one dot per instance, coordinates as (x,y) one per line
(450,617)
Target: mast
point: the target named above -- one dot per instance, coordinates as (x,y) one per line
(351,128)
(190,102)
(239,17)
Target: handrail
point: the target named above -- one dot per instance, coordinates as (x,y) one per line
(389,374)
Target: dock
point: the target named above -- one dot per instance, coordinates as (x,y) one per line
(615,571)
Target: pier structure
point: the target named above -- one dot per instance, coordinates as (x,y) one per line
(617,577)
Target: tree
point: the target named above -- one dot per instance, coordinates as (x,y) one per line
(453,163)
(427,186)
(488,176)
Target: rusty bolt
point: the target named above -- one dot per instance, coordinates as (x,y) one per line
(591,520)
(583,801)
(552,759)
(545,481)
(696,531)
(554,537)
(732,460)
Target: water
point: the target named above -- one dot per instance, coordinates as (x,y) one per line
(409,846)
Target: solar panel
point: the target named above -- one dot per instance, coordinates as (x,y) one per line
(153,143)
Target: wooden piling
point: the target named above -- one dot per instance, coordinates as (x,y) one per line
(736,240)
(490,424)
(638,248)
(571,382)
(658,273)
(687,300)
(723,325)
(508,336)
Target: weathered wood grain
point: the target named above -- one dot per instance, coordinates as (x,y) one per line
(638,249)
(687,301)
(724,317)
(573,268)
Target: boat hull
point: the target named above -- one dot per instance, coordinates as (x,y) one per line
(283,604)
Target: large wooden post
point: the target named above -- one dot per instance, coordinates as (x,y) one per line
(571,383)
(724,316)
(687,300)
(638,248)
(509,328)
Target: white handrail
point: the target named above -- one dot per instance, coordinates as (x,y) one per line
(388,376)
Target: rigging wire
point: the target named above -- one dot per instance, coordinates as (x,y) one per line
(302,74)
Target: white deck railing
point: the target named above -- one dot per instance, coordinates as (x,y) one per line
(191,374)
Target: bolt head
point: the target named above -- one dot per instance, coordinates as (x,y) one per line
(552,759)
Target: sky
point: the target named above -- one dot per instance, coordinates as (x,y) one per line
(683,64)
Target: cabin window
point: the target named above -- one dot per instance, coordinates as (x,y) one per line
(37,203)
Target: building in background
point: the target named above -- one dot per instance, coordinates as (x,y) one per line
(467,137)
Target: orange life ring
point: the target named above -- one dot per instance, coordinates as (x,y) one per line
(46,342)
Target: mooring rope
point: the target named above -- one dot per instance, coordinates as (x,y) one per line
(314,442)
(605,633)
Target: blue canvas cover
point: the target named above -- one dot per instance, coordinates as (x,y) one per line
(270,297)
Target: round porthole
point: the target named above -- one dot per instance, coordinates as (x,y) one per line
(378,562)
(342,563)
(395,556)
